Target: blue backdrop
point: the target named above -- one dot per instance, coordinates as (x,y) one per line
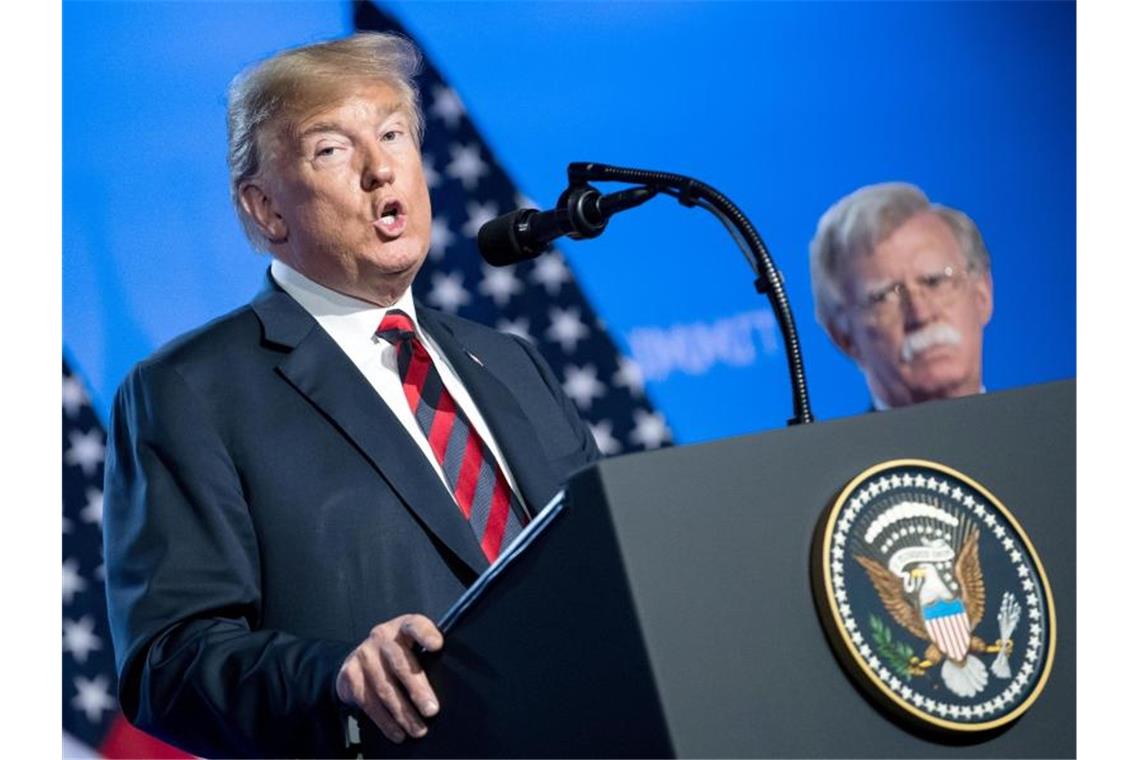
(782,106)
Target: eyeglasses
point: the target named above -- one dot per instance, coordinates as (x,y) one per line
(938,288)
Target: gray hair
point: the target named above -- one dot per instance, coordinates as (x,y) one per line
(281,90)
(860,221)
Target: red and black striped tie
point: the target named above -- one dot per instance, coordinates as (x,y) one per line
(476,480)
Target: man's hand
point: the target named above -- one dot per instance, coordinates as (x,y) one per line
(383,678)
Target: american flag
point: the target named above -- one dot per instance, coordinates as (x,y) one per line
(538,300)
(93,726)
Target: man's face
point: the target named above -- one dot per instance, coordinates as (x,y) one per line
(343,198)
(914,315)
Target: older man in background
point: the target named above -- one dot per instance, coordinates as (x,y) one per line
(903,287)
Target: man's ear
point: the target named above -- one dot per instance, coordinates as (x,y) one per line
(984,297)
(259,205)
(838,327)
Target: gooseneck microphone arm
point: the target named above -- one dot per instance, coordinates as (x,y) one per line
(579,214)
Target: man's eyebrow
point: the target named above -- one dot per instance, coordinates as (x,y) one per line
(321,126)
(332,126)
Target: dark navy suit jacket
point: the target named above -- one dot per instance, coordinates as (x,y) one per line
(264,509)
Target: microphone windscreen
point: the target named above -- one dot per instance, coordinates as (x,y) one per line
(498,240)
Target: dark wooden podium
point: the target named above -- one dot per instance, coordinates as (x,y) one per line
(664,606)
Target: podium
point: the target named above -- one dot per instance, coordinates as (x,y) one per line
(664,607)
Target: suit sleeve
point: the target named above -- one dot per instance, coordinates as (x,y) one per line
(588,451)
(183,591)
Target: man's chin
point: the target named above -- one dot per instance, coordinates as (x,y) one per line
(939,382)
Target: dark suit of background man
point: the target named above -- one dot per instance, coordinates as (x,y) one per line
(279,534)
(903,287)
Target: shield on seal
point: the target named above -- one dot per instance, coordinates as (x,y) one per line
(949,628)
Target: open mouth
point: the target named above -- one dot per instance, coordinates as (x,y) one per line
(392,219)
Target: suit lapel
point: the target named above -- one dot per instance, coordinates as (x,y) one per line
(317,368)
(513,432)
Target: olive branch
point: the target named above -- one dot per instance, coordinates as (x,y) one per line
(896,654)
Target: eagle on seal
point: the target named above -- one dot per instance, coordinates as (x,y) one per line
(914,593)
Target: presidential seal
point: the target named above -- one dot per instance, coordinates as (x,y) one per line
(933,597)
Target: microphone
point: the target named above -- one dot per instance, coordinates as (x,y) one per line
(582,213)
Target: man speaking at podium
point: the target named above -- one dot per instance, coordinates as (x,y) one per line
(298,488)
(903,287)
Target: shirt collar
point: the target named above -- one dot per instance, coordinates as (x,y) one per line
(882,406)
(347,316)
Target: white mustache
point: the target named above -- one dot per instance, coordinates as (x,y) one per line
(920,340)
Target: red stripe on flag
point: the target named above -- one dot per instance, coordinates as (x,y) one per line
(441,424)
(125,741)
(497,520)
(469,474)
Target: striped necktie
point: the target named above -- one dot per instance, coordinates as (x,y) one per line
(477,482)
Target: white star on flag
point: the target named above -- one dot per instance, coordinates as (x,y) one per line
(629,376)
(93,512)
(550,272)
(79,637)
(446,106)
(431,176)
(73,582)
(649,429)
(447,291)
(86,450)
(73,395)
(604,436)
(466,165)
(92,697)
(582,385)
(519,327)
(500,283)
(441,237)
(479,214)
(566,328)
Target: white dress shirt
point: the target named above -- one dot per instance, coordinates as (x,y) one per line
(352,323)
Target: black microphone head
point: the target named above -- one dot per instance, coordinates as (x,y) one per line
(498,240)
